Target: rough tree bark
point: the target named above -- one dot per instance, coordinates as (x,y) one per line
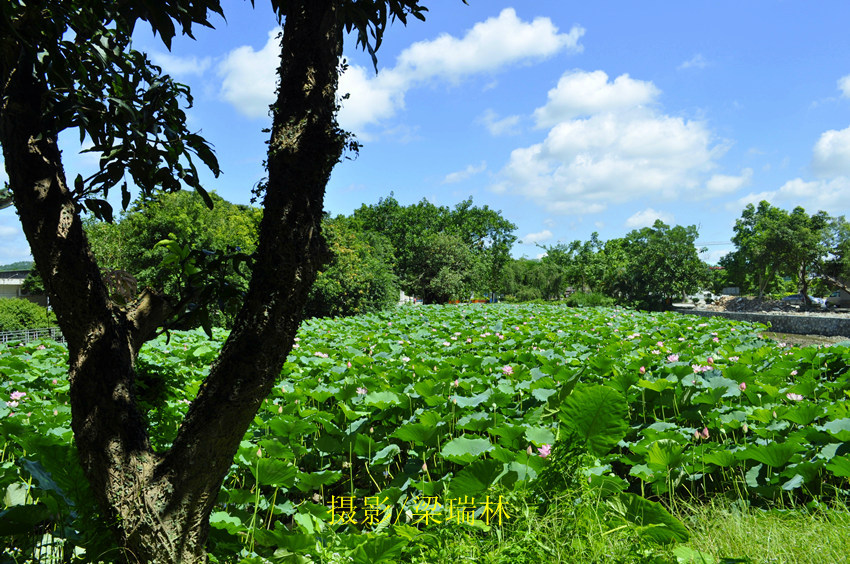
(163,500)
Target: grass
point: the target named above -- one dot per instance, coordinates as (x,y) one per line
(795,536)
(569,532)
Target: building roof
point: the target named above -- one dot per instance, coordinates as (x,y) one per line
(13,277)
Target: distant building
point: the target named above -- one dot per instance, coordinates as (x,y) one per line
(10,287)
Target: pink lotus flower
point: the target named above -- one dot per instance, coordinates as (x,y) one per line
(794,397)
(673,358)
(704,432)
(456,383)
(643,370)
(545,450)
(508,369)
(710,360)
(361,391)
(793,373)
(17,395)
(742,386)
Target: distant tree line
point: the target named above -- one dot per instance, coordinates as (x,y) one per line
(647,268)
(178,246)
(440,254)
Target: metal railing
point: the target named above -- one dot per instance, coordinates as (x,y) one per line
(27,335)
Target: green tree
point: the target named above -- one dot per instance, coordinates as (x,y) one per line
(131,245)
(488,235)
(69,64)
(807,247)
(581,262)
(445,268)
(762,239)
(484,232)
(664,263)
(835,268)
(771,243)
(359,278)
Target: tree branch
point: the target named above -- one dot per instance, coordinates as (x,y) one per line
(147,314)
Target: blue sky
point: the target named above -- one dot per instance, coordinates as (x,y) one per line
(570,118)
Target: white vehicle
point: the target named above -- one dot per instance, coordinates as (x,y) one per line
(839,298)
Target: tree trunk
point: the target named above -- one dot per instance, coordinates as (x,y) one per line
(162,501)
(804,285)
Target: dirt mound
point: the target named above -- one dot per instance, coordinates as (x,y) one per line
(733,303)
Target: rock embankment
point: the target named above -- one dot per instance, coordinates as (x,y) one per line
(780,317)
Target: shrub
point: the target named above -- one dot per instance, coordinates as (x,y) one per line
(593,299)
(16,314)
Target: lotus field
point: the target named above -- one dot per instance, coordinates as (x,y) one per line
(386,425)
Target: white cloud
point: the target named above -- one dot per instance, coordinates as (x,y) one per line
(829,195)
(695,62)
(720,184)
(371,98)
(505,40)
(532,238)
(751,198)
(488,46)
(831,154)
(181,66)
(249,77)
(829,192)
(499,126)
(647,217)
(460,175)
(626,151)
(581,93)
(844,85)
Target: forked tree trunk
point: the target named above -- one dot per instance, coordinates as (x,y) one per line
(162,501)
